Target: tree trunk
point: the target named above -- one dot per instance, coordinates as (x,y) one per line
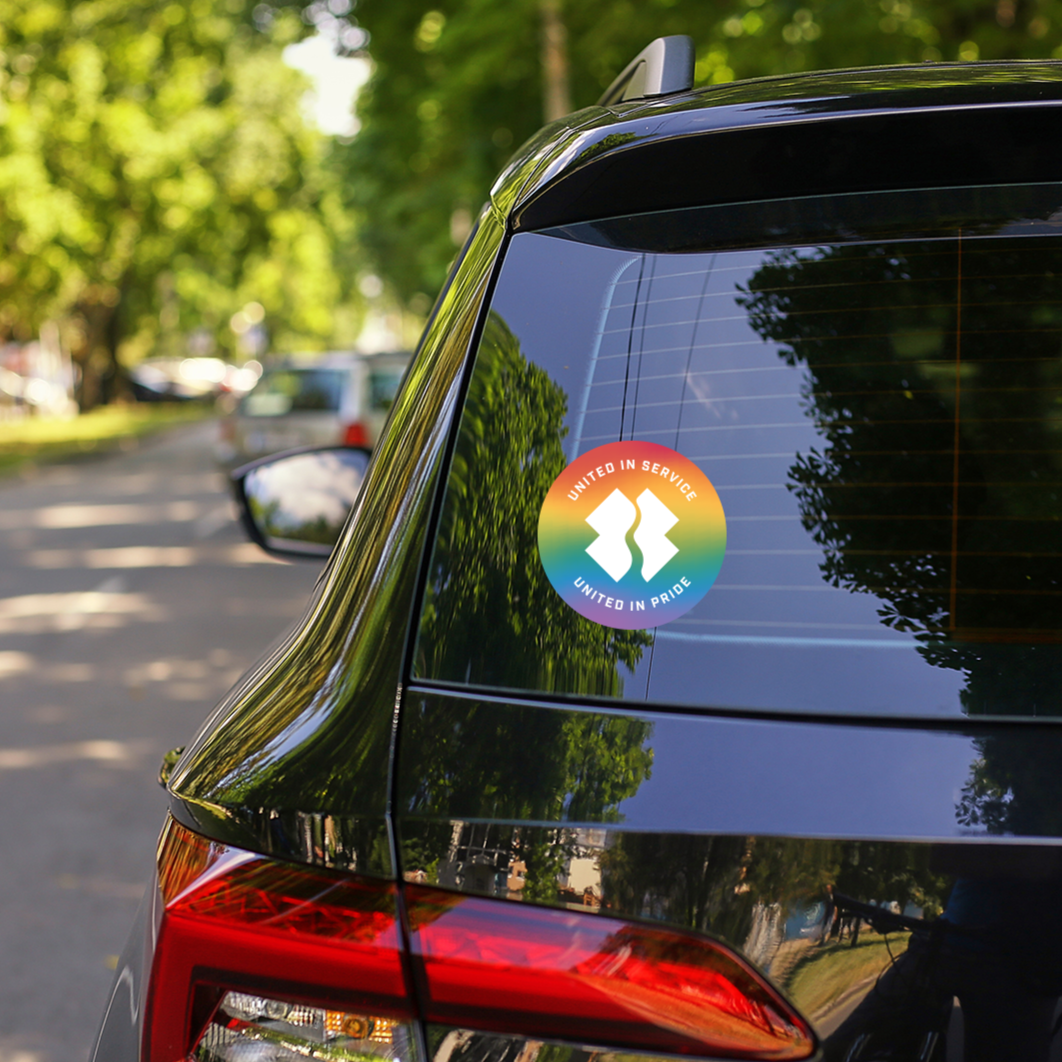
(556,95)
(96,356)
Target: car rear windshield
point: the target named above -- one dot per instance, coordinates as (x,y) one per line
(282,391)
(873,386)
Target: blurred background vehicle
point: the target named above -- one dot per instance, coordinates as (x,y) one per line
(334,398)
(36,379)
(186,379)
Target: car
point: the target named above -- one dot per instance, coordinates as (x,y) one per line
(320,400)
(190,379)
(686,678)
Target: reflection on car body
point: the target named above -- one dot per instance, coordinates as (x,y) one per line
(816,814)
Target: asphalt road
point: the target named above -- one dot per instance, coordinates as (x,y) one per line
(129,603)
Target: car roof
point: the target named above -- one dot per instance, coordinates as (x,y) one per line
(537,187)
(334,359)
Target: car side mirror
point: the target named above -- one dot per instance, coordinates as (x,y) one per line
(295,504)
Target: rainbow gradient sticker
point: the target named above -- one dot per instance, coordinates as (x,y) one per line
(632,535)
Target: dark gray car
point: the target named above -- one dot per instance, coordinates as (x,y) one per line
(687,678)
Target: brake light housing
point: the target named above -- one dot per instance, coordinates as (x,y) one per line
(506,967)
(238,922)
(355,435)
(305,962)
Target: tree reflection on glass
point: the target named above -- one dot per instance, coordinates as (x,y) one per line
(517,763)
(935,380)
(715,883)
(491,616)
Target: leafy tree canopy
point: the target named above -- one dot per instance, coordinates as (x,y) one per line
(458,85)
(156,174)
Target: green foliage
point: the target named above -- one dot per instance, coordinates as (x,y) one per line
(35,440)
(459,84)
(492,617)
(156,173)
(713,883)
(524,765)
(822,975)
(1014,788)
(694,881)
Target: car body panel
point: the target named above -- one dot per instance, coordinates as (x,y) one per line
(807,151)
(760,832)
(122,1027)
(710,773)
(329,691)
(570,155)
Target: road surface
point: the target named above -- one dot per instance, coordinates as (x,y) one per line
(129,603)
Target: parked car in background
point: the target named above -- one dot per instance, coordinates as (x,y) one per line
(190,379)
(36,379)
(687,679)
(314,400)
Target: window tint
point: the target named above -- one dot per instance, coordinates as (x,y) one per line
(877,402)
(283,391)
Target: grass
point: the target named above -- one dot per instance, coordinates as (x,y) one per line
(37,440)
(825,974)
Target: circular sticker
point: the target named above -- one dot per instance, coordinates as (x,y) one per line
(632,535)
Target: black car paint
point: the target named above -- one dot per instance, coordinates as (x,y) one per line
(707,773)
(285,739)
(812,135)
(326,731)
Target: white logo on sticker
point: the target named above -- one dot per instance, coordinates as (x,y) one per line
(613,518)
(651,535)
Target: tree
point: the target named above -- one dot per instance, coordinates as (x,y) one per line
(491,617)
(156,173)
(458,85)
(928,399)
(455,89)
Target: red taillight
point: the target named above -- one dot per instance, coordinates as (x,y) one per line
(489,964)
(249,946)
(355,435)
(238,921)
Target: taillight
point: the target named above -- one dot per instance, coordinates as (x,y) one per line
(274,961)
(501,966)
(355,435)
(261,1029)
(238,923)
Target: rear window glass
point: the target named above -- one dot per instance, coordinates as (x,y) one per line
(873,387)
(282,391)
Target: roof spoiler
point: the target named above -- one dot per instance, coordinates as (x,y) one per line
(665,66)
